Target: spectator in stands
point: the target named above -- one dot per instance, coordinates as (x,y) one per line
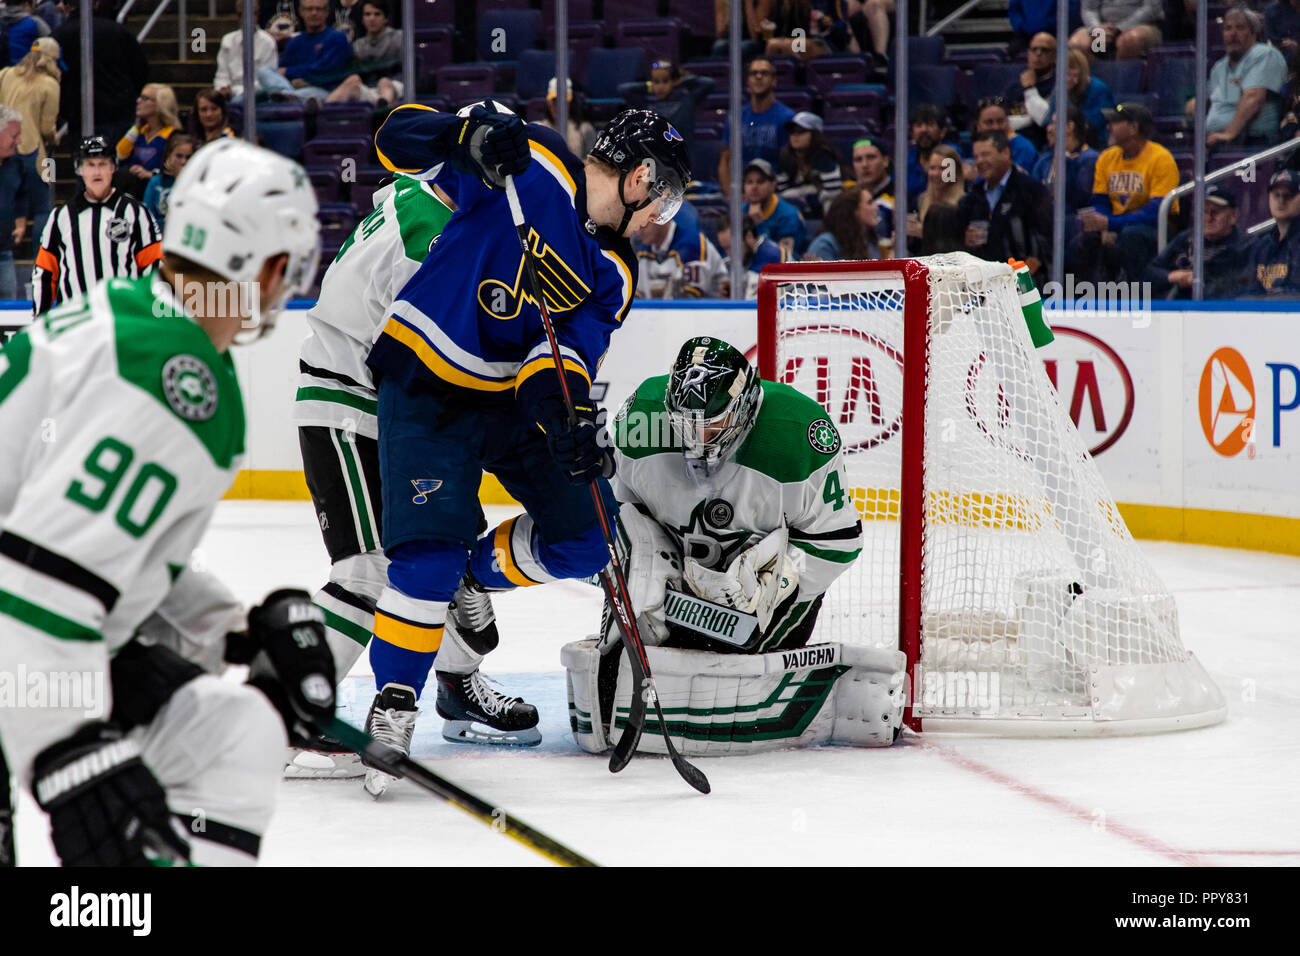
(10,197)
(1123,28)
(802,28)
(1290,127)
(670,93)
(1080,161)
(876,13)
(22,27)
(849,229)
(774,218)
(1037,79)
(1133,175)
(140,150)
(209,117)
(762,122)
(927,128)
(1007,213)
(1032,18)
(32,88)
(581,134)
(1273,263)
(758,251)
(314,62)
(1245,85)
(1282,26)
(991,116)
(871,171)
(751,40)
(178,152)
(1223,265)
(120,72)
(1084,90)
(809,172)
(676,259)
(53,13)
(945,187)
(349,18)
(229,79)
(378,60)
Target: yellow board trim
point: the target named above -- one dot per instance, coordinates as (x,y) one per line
(409,637)
(440,366)
(1224,529)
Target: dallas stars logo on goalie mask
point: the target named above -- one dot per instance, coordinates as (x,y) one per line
(712,399)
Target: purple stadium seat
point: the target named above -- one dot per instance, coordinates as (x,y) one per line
(618,10)
(535,109)
(1157,55)
(606,69)
(974,57)
(325,182)
(439,103)
(578,10)
(368,180)
(705,153)
(429,13)
(924,51)
(341,120)
(932,84)
(1122,76)
(337,219)
(332,153)
(984,82)
(661,39)
(583,38)
(466,81)
(1175,84)
(534,72)
(504,34)
(826,73)
(798,100)
(696,17)
(842,136)
(433,48)
(718,70)
(854,107)
(787,73)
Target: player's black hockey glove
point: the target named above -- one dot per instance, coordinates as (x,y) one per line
(581,449)
(106,808)
(491,146)
(294,667)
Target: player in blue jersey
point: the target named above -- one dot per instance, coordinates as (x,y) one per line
(467,383)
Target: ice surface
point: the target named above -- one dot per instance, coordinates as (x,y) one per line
(1223,795)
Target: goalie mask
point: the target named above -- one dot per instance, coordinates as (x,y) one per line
(712,399)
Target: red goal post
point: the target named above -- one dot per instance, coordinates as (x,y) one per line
(994,556)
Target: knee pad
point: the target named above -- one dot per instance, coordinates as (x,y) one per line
(362,574)
(427,570)
(579,557)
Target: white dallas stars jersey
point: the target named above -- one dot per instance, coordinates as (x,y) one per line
(686,265)
(121,427)
(335,387)
(787,470)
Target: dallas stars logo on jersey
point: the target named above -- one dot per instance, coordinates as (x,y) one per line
(706,538)
(190,388)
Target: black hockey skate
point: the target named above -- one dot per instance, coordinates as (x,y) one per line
(473,712)
(471,616)
(391,721)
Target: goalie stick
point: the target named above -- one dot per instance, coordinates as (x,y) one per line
(612,578)
(394,762)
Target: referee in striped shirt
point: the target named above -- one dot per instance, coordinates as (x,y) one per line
(100,234)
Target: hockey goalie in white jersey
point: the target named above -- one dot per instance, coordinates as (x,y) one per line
(121,426)
(734,520)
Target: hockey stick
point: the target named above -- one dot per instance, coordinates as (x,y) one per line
(612,578)
(390,761)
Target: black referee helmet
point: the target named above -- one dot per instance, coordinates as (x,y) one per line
(95,146)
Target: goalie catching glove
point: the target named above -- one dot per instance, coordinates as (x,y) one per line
(293,667)
(105,806)
(757,581)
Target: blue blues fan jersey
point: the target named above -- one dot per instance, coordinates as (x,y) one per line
(467,317)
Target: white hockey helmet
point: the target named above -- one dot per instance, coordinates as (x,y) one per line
(234,206)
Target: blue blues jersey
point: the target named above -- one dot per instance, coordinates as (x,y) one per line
(467,317)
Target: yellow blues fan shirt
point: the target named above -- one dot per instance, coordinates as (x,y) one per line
(467,318)
(1128,191)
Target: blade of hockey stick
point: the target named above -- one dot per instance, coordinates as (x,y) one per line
(394,762)
(612,578)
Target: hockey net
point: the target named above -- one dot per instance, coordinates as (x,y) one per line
(993,553)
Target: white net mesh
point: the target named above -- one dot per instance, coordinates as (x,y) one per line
(1035,603)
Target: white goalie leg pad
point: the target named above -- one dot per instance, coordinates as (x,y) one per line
(651,563)
(747,703)
(217,748)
